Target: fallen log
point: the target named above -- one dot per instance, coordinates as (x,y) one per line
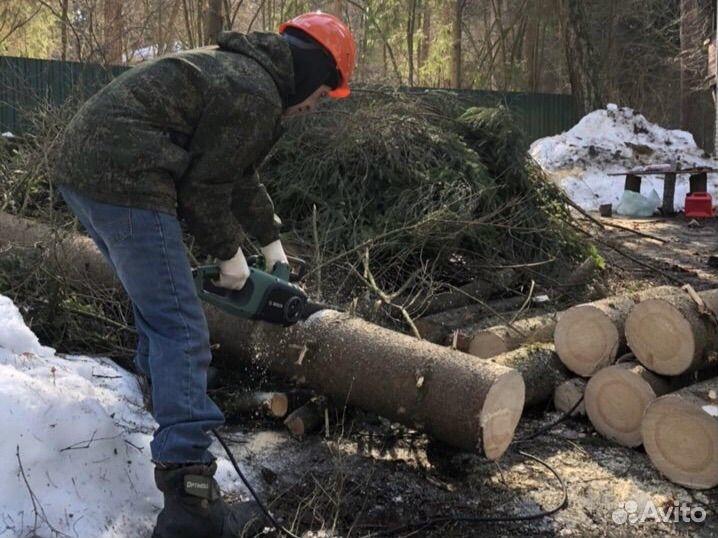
(436,327)
(271,404)
(540,367)
(590,336)
(670,335)
(72,253)
(616,398)
(468,404)
(680,434)
(567,394)
(307,418)
(469,293)
(502,338)
(472,405)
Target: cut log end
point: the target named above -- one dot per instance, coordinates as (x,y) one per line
(486,344)
(681,439)
(501,413)
(586,339)
(616,398)
(278,404)
(661,337)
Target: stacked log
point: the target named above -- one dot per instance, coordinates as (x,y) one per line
(540,367)
(568,394)
(680,434)
(616,398)
(507,337)
(589,337)
(675,334)
(437,327)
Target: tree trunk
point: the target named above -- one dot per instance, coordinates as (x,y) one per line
(436,327)
(616,398)
(425,45)
(213,21)
(680,434)
(670,336)
(692,73)
(567,394)
(113,32)
(583,67)
(472,405)
(410,29)
(456,19)
(589,337)
(502,338)
(64,27)
(540,367)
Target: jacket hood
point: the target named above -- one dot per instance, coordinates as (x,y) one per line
(269,50)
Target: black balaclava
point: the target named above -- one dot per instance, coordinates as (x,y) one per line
(313,66)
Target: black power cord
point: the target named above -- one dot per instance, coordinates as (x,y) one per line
(277,526)
(437,520)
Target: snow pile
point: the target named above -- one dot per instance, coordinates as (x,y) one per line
(614,140)
(78,427)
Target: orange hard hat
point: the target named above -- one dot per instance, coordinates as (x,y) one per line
(335,36)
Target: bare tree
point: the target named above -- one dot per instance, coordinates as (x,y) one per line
(456,28)
(583,67)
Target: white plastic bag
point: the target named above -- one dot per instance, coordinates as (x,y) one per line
(633,204)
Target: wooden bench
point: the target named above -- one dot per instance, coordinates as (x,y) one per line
(698,182)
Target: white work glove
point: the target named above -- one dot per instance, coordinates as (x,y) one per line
(273,253)
(233,272)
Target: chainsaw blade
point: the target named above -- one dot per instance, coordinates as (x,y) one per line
(312,308)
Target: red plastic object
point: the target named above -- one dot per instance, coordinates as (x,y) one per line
(699,205)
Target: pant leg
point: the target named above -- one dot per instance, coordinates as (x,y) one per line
(141,357)
(148,255)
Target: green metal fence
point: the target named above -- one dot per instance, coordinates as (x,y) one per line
(24,83)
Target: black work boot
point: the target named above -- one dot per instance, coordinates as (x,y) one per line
(194,507)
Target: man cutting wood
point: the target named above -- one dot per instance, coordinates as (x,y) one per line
(178,139)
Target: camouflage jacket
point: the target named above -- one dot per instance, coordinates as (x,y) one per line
(182,135)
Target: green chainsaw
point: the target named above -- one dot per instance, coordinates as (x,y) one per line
(266,296)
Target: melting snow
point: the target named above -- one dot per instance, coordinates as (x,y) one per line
(613,140)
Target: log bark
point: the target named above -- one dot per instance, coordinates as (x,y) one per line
(502,338)
(540,367)
(670,336)
(567,394)
(437,327)
(680,434)
(271,404)
(74,254)
(616,398)
(467,404)
(589,337)
(306,419)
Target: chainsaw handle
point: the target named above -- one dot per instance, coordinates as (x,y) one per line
(280,270)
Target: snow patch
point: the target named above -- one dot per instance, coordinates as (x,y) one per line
(616,139)
(78,427)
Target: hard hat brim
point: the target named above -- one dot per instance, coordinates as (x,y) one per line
(341,92)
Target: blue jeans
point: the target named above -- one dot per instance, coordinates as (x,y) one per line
(146,251)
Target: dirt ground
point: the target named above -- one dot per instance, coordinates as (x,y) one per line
(365,474)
